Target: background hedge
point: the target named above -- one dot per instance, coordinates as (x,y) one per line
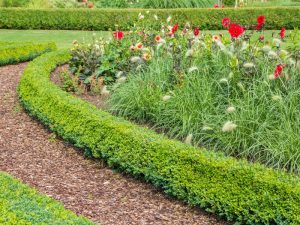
(106,19)
(20,204)
(234,189)
(11,53)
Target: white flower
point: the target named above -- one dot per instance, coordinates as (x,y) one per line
(188,139)
(189,53)
(141,16)
(139,67)
(97,47)
(229,126)
(119,74)
(206,128)
(244,46)
(249,65)
(276,97)
(169,19)
(104,91)
(276,42)
(155,17)
(121,80)
(136,59)
(230,109)
(266,48)
(291,62)
(223,80)
(272,77)
(147,11)
(166,98)
(272,55)
(192,69)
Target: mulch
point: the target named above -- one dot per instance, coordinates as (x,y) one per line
(31,153)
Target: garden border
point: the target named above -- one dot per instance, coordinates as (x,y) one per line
(14,52)
(234,189)
(124,19)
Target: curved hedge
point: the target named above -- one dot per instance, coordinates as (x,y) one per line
(13,52)
(107,19)
(20,204)
(237,190)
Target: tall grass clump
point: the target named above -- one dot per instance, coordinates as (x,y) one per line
(177,3)
(237,95)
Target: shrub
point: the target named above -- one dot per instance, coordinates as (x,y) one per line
(107,19)
(11,53)
(20,204)
(234,189)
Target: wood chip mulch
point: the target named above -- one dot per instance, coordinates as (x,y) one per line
(35,156)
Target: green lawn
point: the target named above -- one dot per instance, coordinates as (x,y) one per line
(20,204)
(64,38)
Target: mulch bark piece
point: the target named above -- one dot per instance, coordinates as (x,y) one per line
(37,157)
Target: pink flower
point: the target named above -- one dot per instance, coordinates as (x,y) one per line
(236,30)
(226,22)
(118,35)
(282,33)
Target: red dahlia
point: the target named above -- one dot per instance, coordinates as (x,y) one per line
(196,31)
(236,30)
(226,22)
(282,33)
(278,70)
(174,29)
(118,35)
(260,20)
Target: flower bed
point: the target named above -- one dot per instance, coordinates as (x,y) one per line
(234,189)
(20,204)
(12,52)
(107,19)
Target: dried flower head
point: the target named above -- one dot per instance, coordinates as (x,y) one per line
(229,126)
(188,139)
(166,98)
(231,109)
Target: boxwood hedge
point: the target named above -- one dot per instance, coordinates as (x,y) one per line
(13,52)
(20,204)
(107,19)
(235,189)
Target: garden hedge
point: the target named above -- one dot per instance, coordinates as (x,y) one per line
(107,19)
(234,189)
(13,52)
(20,204)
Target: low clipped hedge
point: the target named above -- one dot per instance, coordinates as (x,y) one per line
(12,53)
(20,204)
(234,189)
(124,19)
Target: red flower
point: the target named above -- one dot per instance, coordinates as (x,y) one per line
(196,31)
(216,6)
(260,20)
(226,22)
(118,35)
(236,30)
(282,33)
(278,70)
(174,29)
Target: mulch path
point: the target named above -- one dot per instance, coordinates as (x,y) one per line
(37,157)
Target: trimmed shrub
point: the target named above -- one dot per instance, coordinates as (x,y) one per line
(233,189)
(12,53)
(124,19)
(20,204)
